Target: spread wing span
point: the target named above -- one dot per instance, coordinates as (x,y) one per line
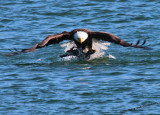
(112,38)
(51,39)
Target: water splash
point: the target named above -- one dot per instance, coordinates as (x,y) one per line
(98,46)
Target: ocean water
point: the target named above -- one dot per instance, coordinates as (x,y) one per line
(40,83)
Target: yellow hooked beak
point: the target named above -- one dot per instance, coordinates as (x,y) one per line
(80,40)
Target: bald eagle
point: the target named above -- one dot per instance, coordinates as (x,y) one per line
(83,39)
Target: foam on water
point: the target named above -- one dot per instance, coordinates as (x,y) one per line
(98,46)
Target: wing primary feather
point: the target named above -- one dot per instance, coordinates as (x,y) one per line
(137,42)
(112,38)
(143,42)
(10,50)
(15,49)
(51,39)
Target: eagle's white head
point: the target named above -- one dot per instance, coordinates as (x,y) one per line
(80,36)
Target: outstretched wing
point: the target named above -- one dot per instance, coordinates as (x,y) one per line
(51,39)
(112,38)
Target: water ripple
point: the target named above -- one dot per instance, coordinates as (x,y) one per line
(41,83)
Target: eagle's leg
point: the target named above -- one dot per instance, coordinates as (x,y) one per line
(89,53)
(71,52)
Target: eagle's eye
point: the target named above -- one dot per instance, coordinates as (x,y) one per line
(80,36)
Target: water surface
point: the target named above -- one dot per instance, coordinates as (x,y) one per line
(41,83)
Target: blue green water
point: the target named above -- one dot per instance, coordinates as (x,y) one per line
(40,83)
